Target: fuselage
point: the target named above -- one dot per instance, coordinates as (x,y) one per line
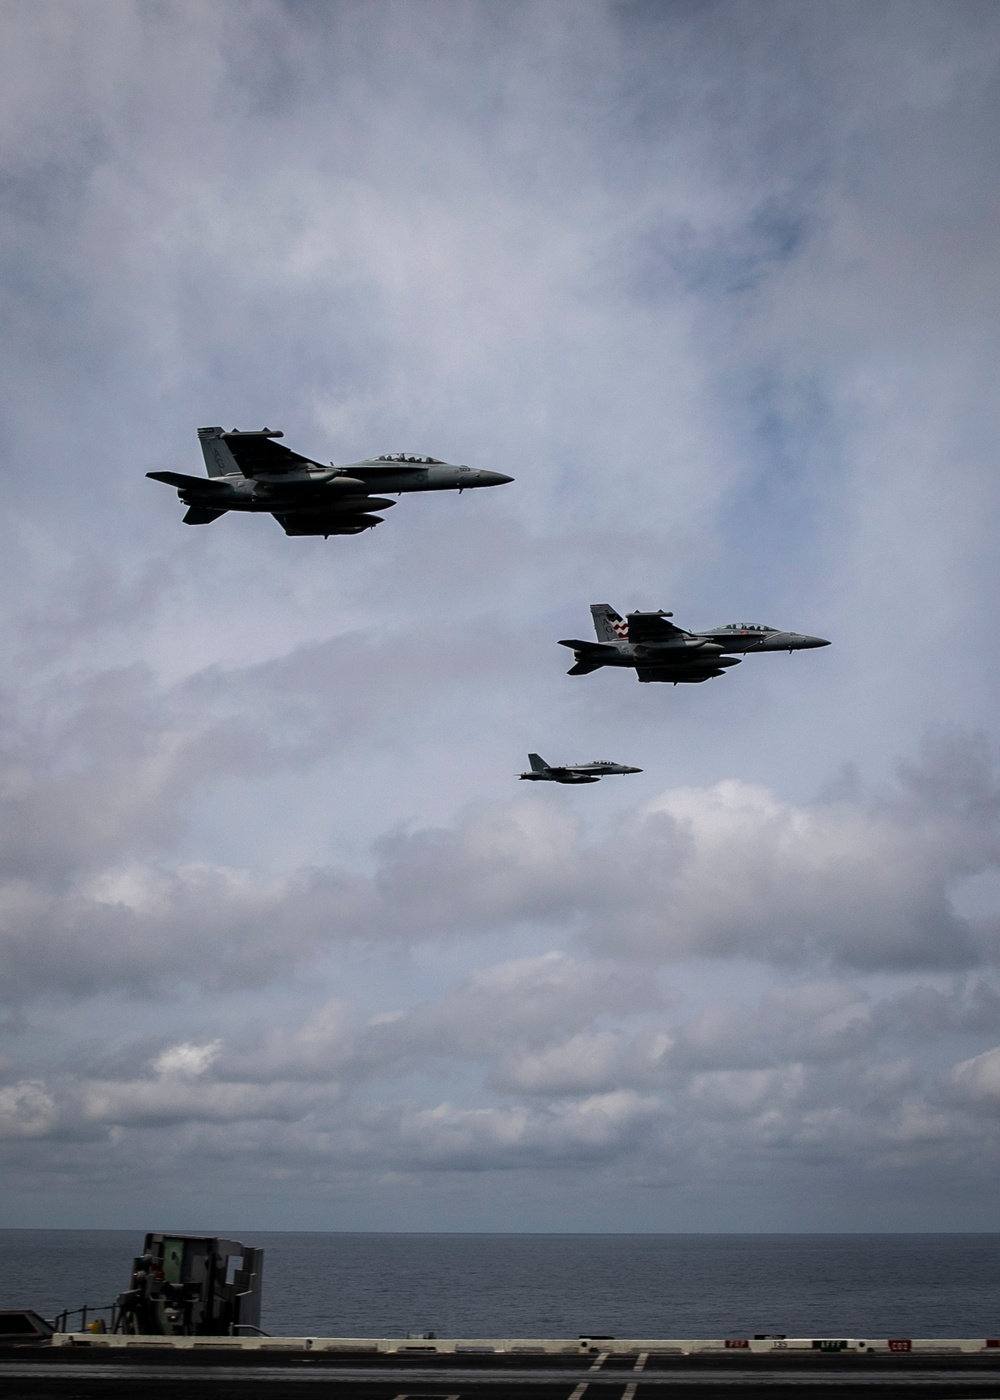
(738,636)
(708,646)
(332,487)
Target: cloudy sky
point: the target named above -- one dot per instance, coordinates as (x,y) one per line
(284,943)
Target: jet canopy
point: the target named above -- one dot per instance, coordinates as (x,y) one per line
(402,457)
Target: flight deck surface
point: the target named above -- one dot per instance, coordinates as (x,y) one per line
(350,1369)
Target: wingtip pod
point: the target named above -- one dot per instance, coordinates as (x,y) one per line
(244,432)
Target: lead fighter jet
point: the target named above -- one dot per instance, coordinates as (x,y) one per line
(542,772)
(658,651)
(250,471)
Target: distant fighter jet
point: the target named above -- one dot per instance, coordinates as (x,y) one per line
(658,651)
(541,772)
(250,471)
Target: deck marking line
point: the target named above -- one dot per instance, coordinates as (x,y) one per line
(641,1359)
(629,1392)
(577,1394)
(600,1360)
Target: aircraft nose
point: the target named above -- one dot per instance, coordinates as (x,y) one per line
(813,642)
(493,478)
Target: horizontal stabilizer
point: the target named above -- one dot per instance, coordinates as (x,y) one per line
(584,668)
(187,483)
(202,515)
(594,648)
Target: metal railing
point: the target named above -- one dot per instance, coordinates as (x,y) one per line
(60,1323)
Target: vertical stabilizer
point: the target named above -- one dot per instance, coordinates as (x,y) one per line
(609,625)
(219,461)
(538,764)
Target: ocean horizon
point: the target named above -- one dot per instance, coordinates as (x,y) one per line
(561,1285)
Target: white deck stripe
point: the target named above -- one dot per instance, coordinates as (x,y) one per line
(600,1360)
(578,1392)
(641,1360)
(629,1392)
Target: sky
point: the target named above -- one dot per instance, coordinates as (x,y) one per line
(284,943)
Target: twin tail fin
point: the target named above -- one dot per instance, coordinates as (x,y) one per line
(609,625)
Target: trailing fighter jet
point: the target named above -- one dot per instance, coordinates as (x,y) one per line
(250,471)
(658,651)
(542,772)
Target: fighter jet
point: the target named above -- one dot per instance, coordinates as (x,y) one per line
(250,471)
(542,772)
(658,651)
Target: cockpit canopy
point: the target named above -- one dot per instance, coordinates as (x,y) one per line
(747,627)
(402,457)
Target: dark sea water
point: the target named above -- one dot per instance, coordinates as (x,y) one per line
(563,1285)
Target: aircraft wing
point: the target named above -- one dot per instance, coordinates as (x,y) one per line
(257,455)
(652,627)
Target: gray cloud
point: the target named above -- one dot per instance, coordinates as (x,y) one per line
(807,1078)
(728,870)
(720,872)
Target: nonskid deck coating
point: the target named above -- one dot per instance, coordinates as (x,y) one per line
(198,1368)
(598,1351)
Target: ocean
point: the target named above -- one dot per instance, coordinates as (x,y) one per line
(563,1285)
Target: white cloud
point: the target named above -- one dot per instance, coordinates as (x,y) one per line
(186,1061)
(977,1081)
(181,1099)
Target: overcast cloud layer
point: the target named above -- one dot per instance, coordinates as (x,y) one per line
(283,943)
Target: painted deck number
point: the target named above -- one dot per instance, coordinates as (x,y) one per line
(900,1344)
(737,1342)
(826,1344)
